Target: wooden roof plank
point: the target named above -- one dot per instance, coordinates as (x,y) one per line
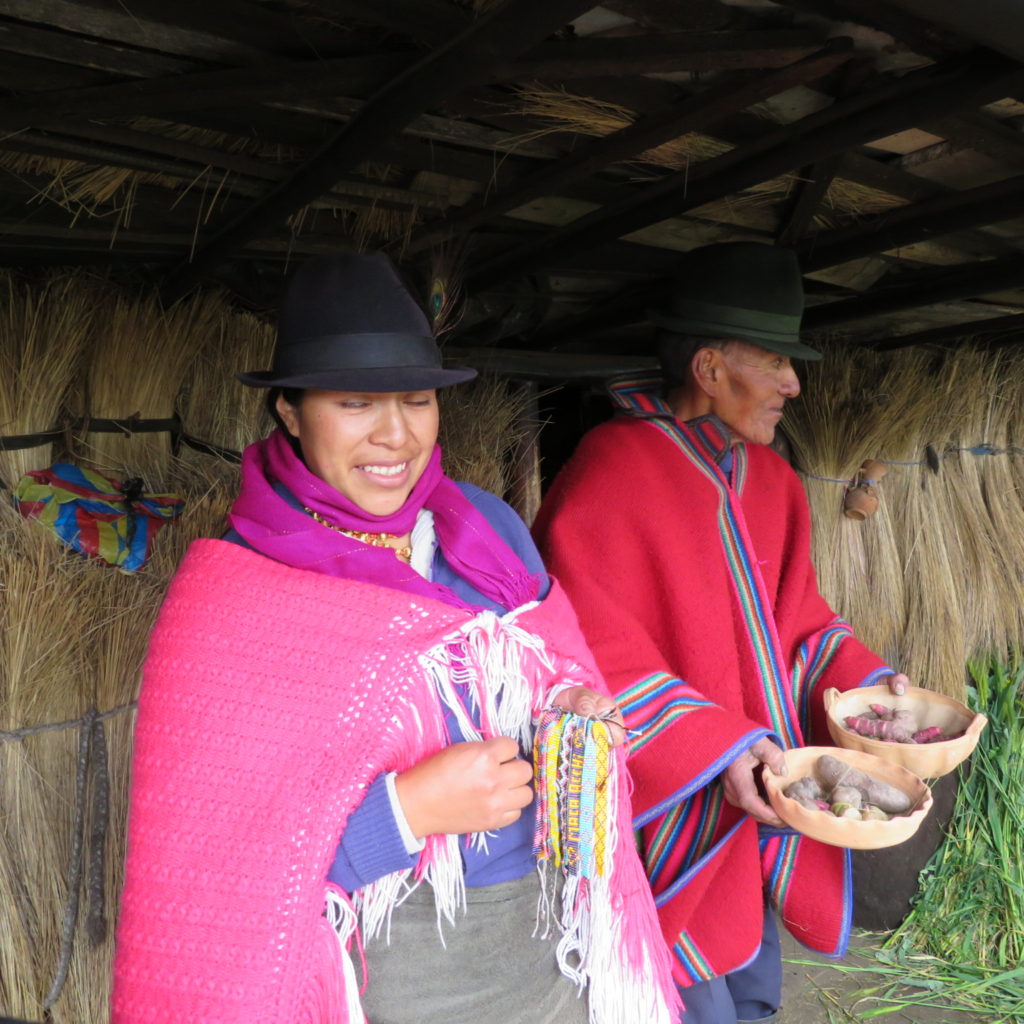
(846,124)
(983,328)
(663,53)
(814,184)
(905,225)
(276,81)
(226,31)
(928,289)
(658,126)
(81,51)
(984,134)
(433,21)
(502,33)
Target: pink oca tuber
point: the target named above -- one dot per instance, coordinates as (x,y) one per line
(892,726)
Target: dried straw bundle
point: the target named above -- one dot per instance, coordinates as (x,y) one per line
(137,359)
(214,406)
(479,431)
(991,602)
(101,619)
(899,576)
(208,488)
(928,409)
(1004,487)
(934,577)
(833,429)
(43,326)
(91,189)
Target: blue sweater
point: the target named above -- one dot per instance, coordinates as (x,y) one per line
(371,845)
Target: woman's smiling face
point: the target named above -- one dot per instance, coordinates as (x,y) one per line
(372,447)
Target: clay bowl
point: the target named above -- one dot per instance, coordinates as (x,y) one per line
(854,835)
(925,760)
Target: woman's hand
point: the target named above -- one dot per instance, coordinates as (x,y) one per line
(898,683)
(467,787)
(587,703)
(740,784)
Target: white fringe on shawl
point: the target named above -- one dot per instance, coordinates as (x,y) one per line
(494,659)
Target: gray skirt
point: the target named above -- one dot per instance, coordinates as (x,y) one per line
(490,968)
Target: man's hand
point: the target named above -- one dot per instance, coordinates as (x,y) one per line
(587,703)
(467,787)
(739,783)
(898,683)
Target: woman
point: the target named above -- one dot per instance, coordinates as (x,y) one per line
(331,763)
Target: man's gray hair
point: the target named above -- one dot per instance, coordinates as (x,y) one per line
(676,352)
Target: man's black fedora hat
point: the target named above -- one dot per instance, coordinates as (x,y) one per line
(739,290)
(348,323)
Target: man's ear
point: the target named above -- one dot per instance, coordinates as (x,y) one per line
(707,370)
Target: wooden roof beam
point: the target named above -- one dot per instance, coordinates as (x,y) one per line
(991,327)
(847,123)
(984,134)
(502,33)
(814,184)
(433,21)
(649,130)
(276,81)
(931,218)
(663,52)
(946,285)
(917,34)
(228,30)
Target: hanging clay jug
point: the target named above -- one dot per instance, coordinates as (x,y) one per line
(861,498)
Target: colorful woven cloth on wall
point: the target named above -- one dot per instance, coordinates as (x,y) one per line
(96,516)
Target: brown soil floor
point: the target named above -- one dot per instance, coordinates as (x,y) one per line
(816,992)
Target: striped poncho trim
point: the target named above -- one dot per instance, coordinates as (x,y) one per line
(786,694)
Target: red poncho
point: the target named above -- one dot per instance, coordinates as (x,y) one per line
(699,601)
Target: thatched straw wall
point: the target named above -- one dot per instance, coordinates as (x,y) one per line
(78,346)
(936,576)
(932,578)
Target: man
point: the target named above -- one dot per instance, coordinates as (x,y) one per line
(683,541)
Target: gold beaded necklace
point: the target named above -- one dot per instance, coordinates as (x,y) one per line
(377,540)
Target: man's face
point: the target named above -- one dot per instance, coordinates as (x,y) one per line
(753,387)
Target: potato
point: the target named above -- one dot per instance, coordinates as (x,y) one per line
(832,772)
(844,794)
(807,788)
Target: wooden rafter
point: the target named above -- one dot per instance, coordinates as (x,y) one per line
(946,285)
(277,81)
(225,31)
(906,225)
(663,53)
(658,126)
(502,33)
(846,124)
(814,184)
(991,327)
(433,21)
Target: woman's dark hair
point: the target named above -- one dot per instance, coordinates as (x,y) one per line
(293,396)
(676,352)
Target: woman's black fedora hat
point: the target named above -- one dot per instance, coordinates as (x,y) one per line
(348,323)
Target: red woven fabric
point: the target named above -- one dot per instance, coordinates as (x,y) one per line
(271,697)
(646,540)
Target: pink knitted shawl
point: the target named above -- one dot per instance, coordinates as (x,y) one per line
(271,698)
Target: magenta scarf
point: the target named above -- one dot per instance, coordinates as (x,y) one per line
(275,528)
